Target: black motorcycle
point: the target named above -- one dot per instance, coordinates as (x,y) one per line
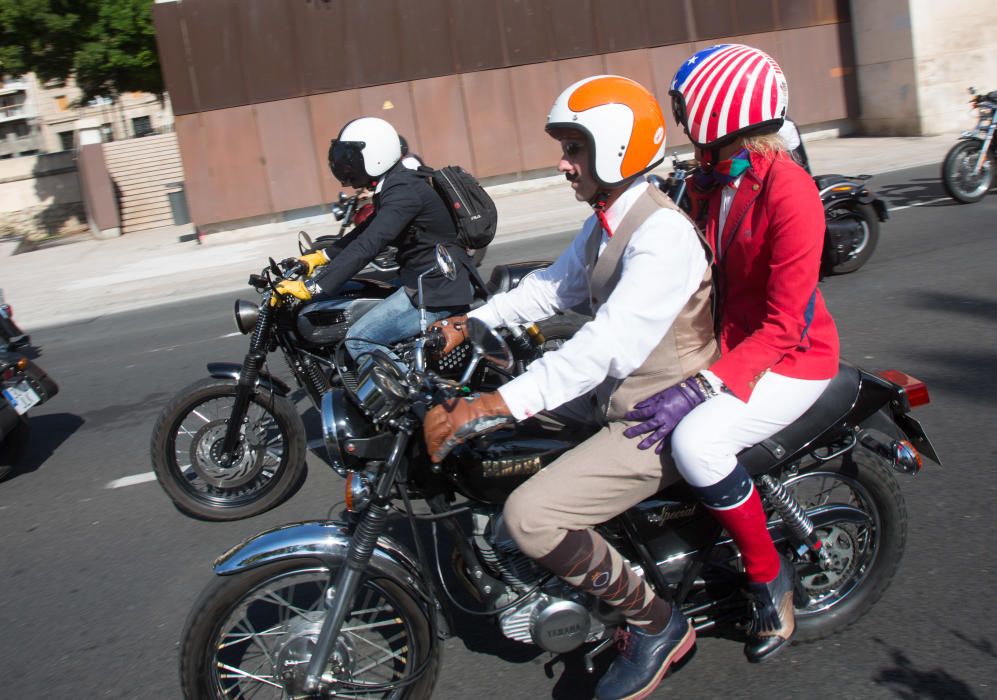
(851,211)
(232,445)
(968,169)
(11,335)
(24,385)
(324,608)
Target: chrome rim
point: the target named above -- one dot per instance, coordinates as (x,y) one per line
(262,648)
(967,179)
(853,548)
(257,460)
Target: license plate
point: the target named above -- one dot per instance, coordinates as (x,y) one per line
(21,397)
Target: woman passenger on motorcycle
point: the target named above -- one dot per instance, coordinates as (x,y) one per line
(640,263)
(778,343)
(409,214)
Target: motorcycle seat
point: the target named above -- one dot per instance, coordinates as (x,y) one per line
(825,181)
(836,401)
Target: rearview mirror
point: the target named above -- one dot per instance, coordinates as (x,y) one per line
(489,344)
(445,263)
(304,243)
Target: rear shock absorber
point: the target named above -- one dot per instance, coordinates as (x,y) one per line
(794,516)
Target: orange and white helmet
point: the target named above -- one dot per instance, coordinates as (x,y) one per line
(621,121)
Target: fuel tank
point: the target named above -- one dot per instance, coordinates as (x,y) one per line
(324,323)
(490,467)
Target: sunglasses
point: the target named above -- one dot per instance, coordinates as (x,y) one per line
(571,148)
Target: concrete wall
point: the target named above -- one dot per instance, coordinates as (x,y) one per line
(915,59)
(40,196)
(955,46)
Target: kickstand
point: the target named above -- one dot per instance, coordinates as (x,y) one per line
(598,649)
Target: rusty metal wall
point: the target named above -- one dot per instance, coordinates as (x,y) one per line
(260,86)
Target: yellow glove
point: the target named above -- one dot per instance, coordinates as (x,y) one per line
(295,288)
(313,260)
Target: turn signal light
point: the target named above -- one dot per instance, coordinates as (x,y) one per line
(358,493)
(915,390)
(22,363)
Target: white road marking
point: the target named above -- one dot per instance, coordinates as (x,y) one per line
(131,480)
(919,204)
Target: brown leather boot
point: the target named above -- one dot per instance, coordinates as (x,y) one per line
(773,621)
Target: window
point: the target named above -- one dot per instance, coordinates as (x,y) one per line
(67,140)
(142,126)
(106,133)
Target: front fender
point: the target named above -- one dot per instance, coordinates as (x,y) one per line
(231,370)
(327,542)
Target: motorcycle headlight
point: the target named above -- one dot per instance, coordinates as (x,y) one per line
(246,314)
(381,387)
(341,422)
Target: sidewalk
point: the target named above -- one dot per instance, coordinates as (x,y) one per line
(92,278)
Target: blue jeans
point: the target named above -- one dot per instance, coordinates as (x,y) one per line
(392,320)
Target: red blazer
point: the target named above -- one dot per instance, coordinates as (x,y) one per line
(771,316)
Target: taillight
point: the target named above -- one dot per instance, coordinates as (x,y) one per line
(915,390)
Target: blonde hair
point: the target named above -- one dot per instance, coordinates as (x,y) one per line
(765,144)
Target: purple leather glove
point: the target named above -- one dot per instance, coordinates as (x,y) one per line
(663,411)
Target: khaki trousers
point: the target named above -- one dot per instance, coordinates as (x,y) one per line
(587,485)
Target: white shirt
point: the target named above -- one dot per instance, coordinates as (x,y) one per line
(662,267)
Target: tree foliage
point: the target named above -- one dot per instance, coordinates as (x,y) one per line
(109,46)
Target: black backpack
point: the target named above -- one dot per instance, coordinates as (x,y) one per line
(472,209)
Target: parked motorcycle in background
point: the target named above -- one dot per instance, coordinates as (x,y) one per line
(11,336)
(851,211)
(968,169)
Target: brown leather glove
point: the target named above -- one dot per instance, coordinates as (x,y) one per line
(454,331)
(453,423)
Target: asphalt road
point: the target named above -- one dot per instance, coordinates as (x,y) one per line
(96,582)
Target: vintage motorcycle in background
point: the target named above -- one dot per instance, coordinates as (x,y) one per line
(851,211)
(968,168)
(232,445)
(342,609)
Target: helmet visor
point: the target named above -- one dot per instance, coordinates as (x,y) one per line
(678,109)
(346,162)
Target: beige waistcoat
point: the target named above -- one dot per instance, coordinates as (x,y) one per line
(688,347)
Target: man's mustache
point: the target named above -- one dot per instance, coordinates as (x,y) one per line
(571,176)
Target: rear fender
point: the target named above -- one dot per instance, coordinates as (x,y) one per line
(327,542)
(231,370)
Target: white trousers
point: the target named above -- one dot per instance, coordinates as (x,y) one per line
(706,442)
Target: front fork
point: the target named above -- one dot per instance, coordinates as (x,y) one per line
(986,147)
(248,376)
(339,596)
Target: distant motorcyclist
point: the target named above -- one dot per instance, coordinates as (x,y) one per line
(641,264)
(408,214)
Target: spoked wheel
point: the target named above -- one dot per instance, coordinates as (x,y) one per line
(251,635)
(864,557)
(860,243)
(962,181)
(262,471)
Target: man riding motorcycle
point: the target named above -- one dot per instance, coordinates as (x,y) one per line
(645,270)
(409,214)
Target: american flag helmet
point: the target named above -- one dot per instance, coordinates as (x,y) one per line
(621,121)
(726,91)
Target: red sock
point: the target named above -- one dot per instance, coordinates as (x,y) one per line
(747,524)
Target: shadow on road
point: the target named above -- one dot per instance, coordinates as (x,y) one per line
(48,432)
(912,683)
(919,191)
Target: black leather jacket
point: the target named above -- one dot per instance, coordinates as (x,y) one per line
(409,214)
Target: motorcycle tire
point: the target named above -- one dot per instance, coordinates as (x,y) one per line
(859,255)
(862,585)
(206,637)
(206,490)
(13,447)
(958,177)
